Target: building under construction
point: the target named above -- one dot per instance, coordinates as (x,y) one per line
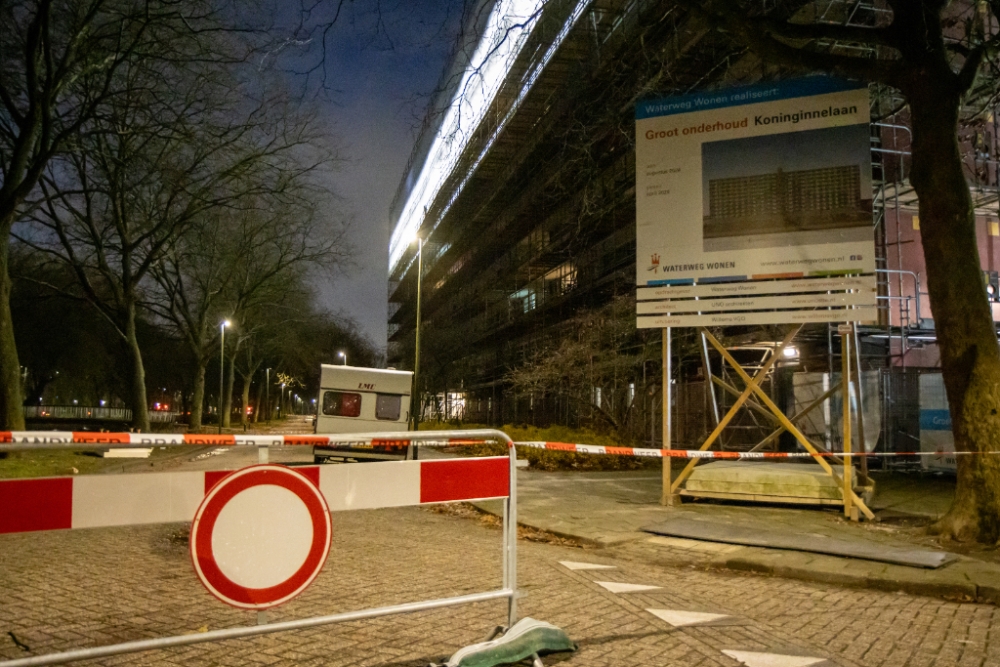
(522,186)
(786,201)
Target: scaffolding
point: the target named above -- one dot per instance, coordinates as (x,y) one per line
(536,224)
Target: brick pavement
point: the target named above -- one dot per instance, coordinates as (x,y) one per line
(61,590)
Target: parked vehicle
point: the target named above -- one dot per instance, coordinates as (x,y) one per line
(362,400)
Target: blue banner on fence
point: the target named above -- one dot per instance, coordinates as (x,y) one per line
(935,420)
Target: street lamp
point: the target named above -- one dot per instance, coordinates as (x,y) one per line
(281,400)
(222,366)
(414,398)
(344,356)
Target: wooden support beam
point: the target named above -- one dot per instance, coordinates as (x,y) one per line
(797,416)
(789,426)
(750,403)
(752,385)
(845,384)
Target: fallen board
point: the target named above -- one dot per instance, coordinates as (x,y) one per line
(755,481)
(709,531)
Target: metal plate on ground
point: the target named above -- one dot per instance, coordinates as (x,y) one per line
(776,539)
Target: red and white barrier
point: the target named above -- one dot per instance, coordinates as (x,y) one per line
(92,501)
(234,573)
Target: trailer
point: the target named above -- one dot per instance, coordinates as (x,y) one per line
(362,400)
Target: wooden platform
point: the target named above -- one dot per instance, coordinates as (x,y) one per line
(764,482)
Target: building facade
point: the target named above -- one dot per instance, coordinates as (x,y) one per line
(525,199)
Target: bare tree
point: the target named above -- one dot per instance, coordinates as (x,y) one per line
(58,61)
(592,365)
(235,262)
(171,145)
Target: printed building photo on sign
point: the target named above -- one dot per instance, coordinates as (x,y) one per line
(777,190)
(757,201)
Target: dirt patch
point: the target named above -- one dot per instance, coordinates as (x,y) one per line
(470,511)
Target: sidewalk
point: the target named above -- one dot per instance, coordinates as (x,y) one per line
(609,510)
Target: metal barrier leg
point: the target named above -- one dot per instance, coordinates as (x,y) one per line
(505,560)
(511,537)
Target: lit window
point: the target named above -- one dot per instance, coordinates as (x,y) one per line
(341,404)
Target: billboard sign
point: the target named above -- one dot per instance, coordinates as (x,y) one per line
(754,206)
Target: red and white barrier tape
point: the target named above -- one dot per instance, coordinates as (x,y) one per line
(699,454)
(203,439)
(91,501)
(280,440)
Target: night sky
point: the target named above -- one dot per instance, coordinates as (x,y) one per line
(383,61)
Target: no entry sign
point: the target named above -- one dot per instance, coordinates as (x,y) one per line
(260,536)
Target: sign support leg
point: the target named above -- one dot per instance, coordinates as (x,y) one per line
(845,391)
(863,463)
(666,493)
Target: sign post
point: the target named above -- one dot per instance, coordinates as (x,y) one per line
(666,495)
(845,391)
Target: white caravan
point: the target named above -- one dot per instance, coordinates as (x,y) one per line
(361,400)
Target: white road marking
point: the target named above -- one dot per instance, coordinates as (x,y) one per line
(616,587)
(754,659)
(681,619)
(573,565)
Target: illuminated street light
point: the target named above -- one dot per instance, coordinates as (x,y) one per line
(414,398)
(344,356)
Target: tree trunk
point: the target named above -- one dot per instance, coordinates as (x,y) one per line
(198,398)
(226,410)
(137,393)
(970,357)
(258,403)
(11,410)
(244,421)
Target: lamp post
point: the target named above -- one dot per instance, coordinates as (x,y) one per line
(281,399)
(222,366)
(267,393)
(414,397)
(344,356)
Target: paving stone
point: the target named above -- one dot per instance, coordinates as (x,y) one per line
(67,589)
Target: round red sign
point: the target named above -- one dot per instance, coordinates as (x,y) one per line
(260,536)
